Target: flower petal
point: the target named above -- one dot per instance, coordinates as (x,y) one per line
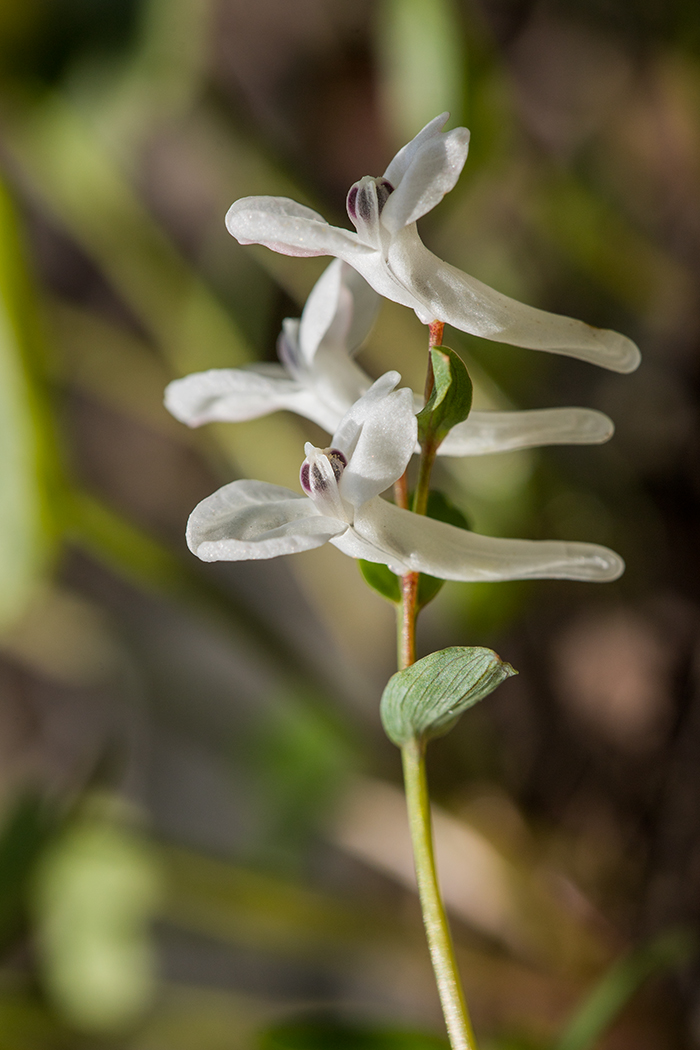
(232,395)
(432,173)
(249,520)
(449,295)
(378,436)
(329,305)
(366,303)
(289,228)
(400,163)
(339,311)
(411,542)
(486,432)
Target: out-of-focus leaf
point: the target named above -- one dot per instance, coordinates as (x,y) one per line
(188,1017)
(607,248)
(618,985)
(301,758)
(247,907)
(24,533)
(85,189)
(25,833)
(329,1034)
(65,638)
(149,564)
(94,893)
(165,70)
(27,1022)
(87,192)
(422,63)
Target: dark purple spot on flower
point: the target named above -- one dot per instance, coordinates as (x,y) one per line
(350,203)
(304,477)
(365,203)
(384,191)
(337,461)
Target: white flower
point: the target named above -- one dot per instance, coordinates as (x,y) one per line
(388,252)
(368,452)
(319,379)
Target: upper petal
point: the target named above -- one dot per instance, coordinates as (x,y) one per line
(232,395)
(249,520)
(486,432)
(433,171)
(289,228)
(378,436)
(414,543)
(399,164)
(447,294)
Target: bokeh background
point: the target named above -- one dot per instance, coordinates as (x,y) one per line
(202,840)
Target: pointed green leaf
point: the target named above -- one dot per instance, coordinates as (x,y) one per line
(425,700)
(451,399)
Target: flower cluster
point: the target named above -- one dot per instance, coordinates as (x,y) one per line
(373,425)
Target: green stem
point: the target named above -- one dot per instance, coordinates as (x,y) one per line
(420,496)
(442,954)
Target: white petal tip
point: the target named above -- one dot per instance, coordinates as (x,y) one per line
(598,564)
(623,355)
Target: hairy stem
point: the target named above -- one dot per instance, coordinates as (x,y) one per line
(442,954)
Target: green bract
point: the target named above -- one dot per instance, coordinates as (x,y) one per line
(451,399)
(425,700)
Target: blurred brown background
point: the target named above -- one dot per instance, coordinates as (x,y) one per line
(202,820)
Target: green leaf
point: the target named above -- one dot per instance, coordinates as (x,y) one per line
(425,700)
(381,579)
(670,949)
(451,399)
(443,509)
(330,1034)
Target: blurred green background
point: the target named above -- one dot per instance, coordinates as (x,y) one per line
(202,841)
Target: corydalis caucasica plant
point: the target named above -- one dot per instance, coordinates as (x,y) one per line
(318,378)
(374,435)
